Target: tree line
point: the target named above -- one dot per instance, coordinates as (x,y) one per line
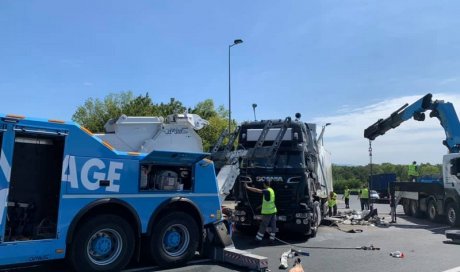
(355,177)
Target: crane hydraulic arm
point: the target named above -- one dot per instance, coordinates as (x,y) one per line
(444,111)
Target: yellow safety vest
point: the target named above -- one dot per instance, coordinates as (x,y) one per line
(412,170)
(331,202)
(268,207)
(347,193)
(364,193)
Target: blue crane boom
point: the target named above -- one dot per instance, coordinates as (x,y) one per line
(444,111)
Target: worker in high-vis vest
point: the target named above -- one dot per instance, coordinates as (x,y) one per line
(332,204)
(363,196)
(412,171)
(346,196)
(268,211)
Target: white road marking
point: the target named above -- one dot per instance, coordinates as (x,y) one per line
(455,269)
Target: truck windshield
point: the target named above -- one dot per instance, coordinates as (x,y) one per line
(283,160)
(289,160)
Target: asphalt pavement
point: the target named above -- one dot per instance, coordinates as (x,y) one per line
(423,243)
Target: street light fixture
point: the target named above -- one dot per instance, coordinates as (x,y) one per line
(254,106)
(235,42)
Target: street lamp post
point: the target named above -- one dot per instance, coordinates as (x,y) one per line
(235,42)
(254,109)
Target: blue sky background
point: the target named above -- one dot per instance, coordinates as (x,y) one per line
(324,59)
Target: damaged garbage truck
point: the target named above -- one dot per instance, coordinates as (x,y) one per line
(290,155)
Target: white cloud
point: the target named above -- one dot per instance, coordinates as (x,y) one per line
(88,84)
(412,140)
(449,80)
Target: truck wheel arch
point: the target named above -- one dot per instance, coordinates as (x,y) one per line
(110,205)
(175,203)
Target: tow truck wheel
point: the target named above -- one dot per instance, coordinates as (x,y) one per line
(432,211)
(453,215)
(103,243)
(174,239)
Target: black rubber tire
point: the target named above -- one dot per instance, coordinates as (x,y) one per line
(414,209)
(406,207)
(431,211)
(189,226)
(78,253)
(453,215)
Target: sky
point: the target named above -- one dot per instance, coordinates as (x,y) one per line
(345,62)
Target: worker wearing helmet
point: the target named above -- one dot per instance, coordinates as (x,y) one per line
(268,211)
(412,171)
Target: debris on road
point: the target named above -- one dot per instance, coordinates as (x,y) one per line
(291,253)
(454,235)
(353,217)
(397,254)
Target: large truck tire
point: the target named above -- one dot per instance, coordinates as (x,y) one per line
(102,243)
(415,209)
(432,211)
(406,207)
(453,214)
(174,240)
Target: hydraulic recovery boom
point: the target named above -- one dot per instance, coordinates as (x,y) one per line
(444,111)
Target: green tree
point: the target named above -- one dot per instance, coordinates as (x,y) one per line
(217,122)
(95,112)
(139,106)
(205,109)
(174,106)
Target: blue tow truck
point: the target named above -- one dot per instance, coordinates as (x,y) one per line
(66,193)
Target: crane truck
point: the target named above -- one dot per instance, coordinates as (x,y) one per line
(99,201)
(291,155)
(437,200)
